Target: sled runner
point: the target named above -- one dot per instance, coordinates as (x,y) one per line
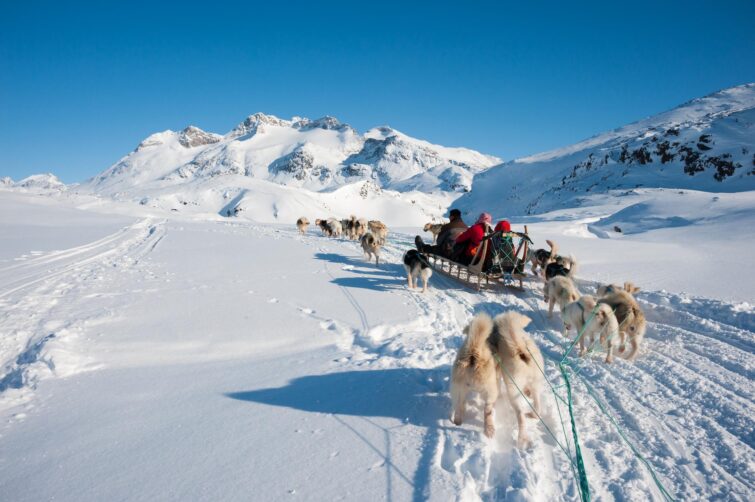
(499,259)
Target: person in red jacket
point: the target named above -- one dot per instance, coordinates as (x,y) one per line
(504,226)
(472,238)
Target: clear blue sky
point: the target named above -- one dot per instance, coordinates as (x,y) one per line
(81,85)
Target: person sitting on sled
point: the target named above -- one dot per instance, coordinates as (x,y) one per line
(446,237)
(472,238)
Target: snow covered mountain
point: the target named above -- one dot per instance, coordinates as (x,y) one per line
(319,155)
(706,144)
(270,169)
(37,182)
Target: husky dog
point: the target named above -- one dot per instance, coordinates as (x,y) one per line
(330,227)
(415,266)
(561,266)
(324,227)
(631,318)
(371,246)
(360,227)
(560,290)
(541,257)
(591,320)
(521,361)
(348,227)
(433,228)
(302,224)
(605,289)
(474,370)
(378,229)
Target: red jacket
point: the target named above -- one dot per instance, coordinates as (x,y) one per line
(473,237)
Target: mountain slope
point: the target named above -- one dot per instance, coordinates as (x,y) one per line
(318,155)
(705,144)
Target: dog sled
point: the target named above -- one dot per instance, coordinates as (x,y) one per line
(499,260)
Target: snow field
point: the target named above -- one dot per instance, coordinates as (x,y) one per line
(207,359)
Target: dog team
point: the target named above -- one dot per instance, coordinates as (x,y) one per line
(498,357)
(371,234)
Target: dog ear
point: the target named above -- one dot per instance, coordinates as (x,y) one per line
(630,288)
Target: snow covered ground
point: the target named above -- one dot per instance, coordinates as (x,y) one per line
(152,355)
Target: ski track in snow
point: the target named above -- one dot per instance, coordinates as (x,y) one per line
(43,297)
(686,403)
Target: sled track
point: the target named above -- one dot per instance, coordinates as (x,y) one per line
(686,403)
(37,294)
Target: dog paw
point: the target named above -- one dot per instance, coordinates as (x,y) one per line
(489,431)
(609,360)
(523,443)
(530,414)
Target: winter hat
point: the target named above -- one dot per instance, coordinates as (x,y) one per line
(503,226)
(454,213)
(484,218)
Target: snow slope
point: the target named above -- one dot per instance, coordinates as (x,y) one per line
(707,144)
(181,356)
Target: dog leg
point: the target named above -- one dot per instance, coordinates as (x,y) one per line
(635,349)
(409,280)
(550,307)
(535,405)
(458,398)
(523,440)
(489,424)
(622,342)
(424,284)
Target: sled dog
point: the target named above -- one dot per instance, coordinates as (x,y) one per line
(592,320)
(559,290)
(371,246)
(302,224)
(474,370)
(433,228)
(415,265)
(520,363)
(631,318)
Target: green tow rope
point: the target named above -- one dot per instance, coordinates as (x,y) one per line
(583,484)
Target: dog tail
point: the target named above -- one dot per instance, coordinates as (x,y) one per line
(572,266)
(510,328)
(554,249)
(478,350)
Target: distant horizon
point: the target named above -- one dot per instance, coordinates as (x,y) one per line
(81,85)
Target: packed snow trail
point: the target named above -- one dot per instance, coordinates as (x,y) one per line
(686,403)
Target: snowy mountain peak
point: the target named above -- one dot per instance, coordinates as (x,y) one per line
(256,123)
(6,181)
(157,139)
(193,136)
(46,181)
(327,122)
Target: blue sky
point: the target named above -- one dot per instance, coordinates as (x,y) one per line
(81,84)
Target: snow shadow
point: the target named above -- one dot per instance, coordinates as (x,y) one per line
(411,396)
(402,393)
(384,277)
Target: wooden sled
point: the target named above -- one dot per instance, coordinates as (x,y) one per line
(511,272)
